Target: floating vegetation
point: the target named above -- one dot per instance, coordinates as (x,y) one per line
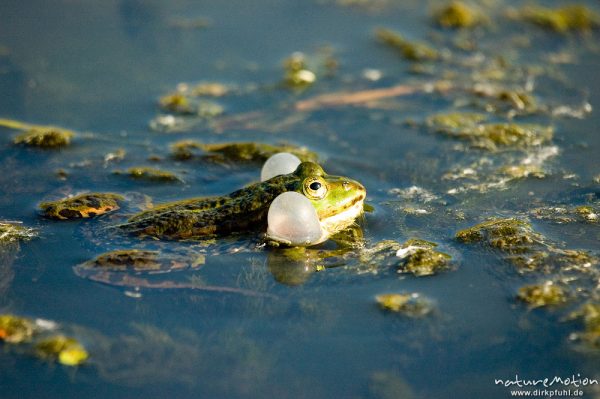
(15,329)
(457,14)
(15,231)
(236,151)
(573,17)
(410,305)
(297,74)
(151,174)
(490,136)
(454,121)
(182,104)
(545,294)
(38,135)
(20,330)
(415,256)
(413,51)
(589,313)
(513,236)
(66,350)
(81,206)
(420,258)
(568,214)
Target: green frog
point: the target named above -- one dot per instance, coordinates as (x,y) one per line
(338,201)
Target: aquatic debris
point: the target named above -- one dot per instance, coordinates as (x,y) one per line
(15,231)
(515,101)
(568,214)
(137,260)
(417,257)
(39,135)
(171,123)
(588,213)
(416,193)
(236,151)
(115,156)
(182,104)
(44,138)
(573,17)
(489,136)
(450,122)
(362,97)
(147,173)
(421,259)
(81,206)
(457,14)
(68,351)
(412,51)
(208,89)
(590,314)
(522,171)
(297,74)
(513,236)
(544,294)
(15,329)
(408,304)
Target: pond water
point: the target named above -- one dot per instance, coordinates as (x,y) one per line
(310,329)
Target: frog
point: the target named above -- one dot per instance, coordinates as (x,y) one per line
(338,201)
(184,232)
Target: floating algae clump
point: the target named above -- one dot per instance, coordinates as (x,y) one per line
(458,15)
(421,259)
(13,231)
(81,206)
(590,336)
(573,17)
(510,235)
(66,350)
(45,138)
(545,294)
(182,104)
(588,213)
(14,329)
(452,121)
(236,151)
(147,173)
(489,136)
(411,305)
(297,74)
(412,51)
(38,135)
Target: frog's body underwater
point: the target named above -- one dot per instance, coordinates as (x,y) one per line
(338,201)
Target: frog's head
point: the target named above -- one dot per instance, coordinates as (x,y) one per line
(337,200)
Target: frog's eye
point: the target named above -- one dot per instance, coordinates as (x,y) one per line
(315,188)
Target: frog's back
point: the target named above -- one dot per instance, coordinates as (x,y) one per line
(243,210)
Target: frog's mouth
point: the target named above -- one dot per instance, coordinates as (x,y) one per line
(345,217)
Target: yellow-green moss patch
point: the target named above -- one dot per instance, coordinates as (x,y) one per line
(66,350)
(236,151)
(408,304)
(81,206)
(545,294)
(413,51)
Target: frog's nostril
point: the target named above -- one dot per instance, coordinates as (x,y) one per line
(346,185)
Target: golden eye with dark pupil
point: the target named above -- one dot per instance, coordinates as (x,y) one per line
(315,185)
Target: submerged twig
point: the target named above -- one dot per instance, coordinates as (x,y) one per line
(356,97)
